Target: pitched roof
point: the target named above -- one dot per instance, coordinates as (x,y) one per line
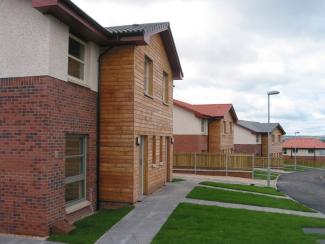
(305,143)
(258,127)
(83,25)
(208,110)
(127,32)
(138,28)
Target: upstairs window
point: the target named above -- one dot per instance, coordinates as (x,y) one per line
(257,138)
(279,138)
(224,127)
(165,95)
(311,151)
(148,76)
(76,62)
(273,138)
(202,125)
(230,127)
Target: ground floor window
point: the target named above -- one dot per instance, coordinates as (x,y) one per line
(75,169)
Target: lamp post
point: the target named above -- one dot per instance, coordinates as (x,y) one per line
(270,93)
(297,132)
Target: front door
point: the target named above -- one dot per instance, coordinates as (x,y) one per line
(141,166)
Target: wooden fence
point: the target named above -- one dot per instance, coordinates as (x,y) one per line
(306,162)
(231,162)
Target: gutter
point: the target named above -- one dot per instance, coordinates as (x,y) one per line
(98,127)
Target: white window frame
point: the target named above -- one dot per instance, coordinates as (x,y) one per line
(77,178)
(83,62)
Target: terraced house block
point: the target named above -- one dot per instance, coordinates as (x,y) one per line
(86,114)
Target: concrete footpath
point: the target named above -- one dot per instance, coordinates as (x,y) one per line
(144,222)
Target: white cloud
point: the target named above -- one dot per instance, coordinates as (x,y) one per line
(233,51)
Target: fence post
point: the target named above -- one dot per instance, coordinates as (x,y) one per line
(253,166)
(226,164)
(195,163)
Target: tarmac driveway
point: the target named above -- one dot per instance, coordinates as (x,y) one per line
(307,187)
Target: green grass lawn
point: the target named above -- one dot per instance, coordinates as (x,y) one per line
(219,195)
(191,223)
(262,175)
(249,188)
(177,180)
(91,228)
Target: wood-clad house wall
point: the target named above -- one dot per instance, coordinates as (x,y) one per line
(126,113)
(219,140)
(276,146)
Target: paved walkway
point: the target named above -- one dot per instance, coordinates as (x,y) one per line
(255,208)
(21,240)
(246,192)
(224,179)
(145,221)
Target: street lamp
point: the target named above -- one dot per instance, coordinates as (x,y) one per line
(297,132)
(270,93)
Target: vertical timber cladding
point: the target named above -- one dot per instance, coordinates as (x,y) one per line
(214,136)
(127,113)
(153,117)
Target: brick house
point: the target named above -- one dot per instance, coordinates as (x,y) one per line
(204,127)
(251,138)
(86,113)
(305,149)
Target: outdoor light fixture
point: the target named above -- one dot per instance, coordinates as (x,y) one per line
(138,140)
(269,93)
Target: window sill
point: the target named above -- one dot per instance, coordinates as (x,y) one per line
(78,82)
(76,207)
(166,104)
(149,96)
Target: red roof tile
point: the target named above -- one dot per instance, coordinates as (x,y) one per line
(304,143)
(207,110)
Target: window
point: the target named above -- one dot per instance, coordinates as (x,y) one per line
(161,150)
(75,169)
(257,138)
(165,96)
(311,151)
(273,138)
(230,127)
(76,61)
(322,152)
(284,151)
(154,150)
(148,76)
(202,125)
(279,138)
(295,150)
(224,127)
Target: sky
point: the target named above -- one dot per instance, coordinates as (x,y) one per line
(234,51)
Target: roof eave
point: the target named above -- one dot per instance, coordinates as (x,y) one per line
(79,22)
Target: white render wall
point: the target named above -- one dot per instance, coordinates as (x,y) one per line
(244,136)
(186,123)
(304,152)
(33,44)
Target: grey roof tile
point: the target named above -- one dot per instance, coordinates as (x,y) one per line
(258,127)
(138,28)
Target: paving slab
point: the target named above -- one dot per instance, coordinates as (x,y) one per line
(246,192)
(224,179)
(144,222)
(21,240)
(255,208)
(314,231)
(321,241)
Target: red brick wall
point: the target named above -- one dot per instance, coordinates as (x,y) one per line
(248,149)
(190,143)
(36,114)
